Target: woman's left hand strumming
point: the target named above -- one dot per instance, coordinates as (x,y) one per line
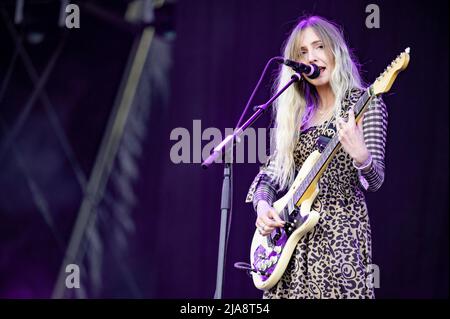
(352,138)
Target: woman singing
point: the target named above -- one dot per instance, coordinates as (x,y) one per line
(334,259)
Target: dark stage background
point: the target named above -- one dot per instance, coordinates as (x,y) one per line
(203,63)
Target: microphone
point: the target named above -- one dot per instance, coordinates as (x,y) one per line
(311,71)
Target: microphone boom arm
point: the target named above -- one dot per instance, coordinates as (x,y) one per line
(230,140)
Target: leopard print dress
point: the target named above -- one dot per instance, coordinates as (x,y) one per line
(334,259)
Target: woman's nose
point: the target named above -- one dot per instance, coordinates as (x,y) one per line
(312,58)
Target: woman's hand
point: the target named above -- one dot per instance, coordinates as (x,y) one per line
(352,138)
(268,219)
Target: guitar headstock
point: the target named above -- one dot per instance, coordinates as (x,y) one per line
(384,82)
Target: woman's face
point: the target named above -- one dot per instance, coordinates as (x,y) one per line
(313,50)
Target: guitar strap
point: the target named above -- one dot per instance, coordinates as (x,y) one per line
(324,138)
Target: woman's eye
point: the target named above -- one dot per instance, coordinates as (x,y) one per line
(320,46)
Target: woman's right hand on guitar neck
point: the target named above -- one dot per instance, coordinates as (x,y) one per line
(268,219)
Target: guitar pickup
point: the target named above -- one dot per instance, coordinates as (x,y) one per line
(277,235)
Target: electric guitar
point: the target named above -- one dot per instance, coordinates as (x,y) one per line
(270,255)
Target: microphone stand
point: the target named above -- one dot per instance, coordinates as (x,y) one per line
(226,197)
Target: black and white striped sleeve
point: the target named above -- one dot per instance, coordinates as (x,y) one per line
(263,187)
(375,130)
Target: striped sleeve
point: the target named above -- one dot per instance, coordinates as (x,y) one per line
(375,131)
(263,187)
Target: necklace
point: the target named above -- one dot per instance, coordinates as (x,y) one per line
(324,112)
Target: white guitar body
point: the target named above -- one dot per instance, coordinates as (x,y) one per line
(279,255)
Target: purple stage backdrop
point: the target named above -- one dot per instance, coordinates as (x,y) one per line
(154,223)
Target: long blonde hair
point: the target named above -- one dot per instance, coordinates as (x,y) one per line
(297,102)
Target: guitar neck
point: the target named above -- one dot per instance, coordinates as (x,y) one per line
(328,153)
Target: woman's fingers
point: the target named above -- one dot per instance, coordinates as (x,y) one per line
(341,125)
(272,219)
(360,123)
(263,228)
(266,223)
(351,118)
(274,215)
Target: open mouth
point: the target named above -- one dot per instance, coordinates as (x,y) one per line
(322,68)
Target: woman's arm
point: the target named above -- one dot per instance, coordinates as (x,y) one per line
(263,187)
(375,130)
(365,143)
